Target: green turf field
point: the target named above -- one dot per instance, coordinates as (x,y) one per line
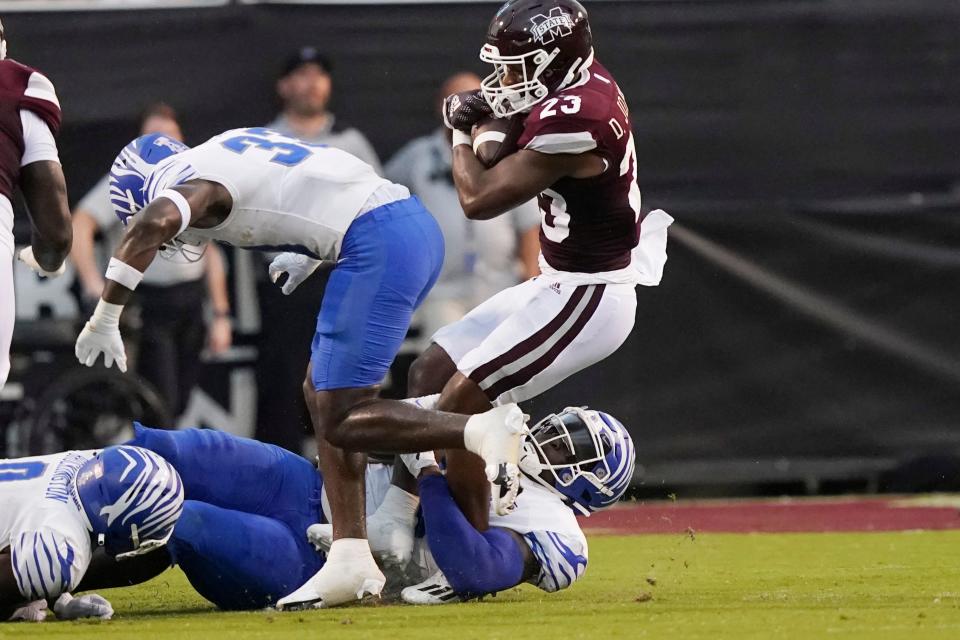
(716,586)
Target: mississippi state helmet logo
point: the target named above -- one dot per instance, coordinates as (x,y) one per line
(547,28)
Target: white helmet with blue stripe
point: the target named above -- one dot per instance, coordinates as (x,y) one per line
(132,498)
(131,169)
(586,457)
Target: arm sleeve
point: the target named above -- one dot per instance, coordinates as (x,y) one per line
(562,559)
(555,134)
(40,98)
(38,142)
(47,562)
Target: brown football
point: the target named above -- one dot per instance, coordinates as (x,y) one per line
(496,138)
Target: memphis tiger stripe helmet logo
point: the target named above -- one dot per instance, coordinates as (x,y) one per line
(132,498)
(133,166)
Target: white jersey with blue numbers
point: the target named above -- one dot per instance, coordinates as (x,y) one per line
(548,527)
(551,530)
(42,524)
(288,195)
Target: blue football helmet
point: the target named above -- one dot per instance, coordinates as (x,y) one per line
(131,169)
(585,456)
(132,498)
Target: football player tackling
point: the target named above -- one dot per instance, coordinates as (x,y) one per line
(577,157)
(240,539)
(256,189)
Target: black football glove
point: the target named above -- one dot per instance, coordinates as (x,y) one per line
(463,110)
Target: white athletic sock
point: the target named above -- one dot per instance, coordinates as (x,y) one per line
(399,506)
(473,433)
(347,549)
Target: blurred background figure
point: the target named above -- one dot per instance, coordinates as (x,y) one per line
(304,88)
(287,323)
(482,257)
(172,294)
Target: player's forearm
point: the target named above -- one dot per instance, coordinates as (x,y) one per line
(477,198)
(143,241)
(50,252)
(10,596)
(45,192)
(108,573)
(137,251)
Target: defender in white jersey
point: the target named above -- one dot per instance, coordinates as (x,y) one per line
(257,189)
(575,462)
(55,509)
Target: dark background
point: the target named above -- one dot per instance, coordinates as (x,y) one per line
(805,329)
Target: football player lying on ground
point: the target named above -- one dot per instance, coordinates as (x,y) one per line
(66,516)
(242,539)
(573,463)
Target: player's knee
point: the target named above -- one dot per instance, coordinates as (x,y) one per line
(430,372)
(336,433)
(463,395)
(308,391)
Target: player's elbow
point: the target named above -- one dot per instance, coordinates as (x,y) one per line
(473,213)
(475,208)
(151,233)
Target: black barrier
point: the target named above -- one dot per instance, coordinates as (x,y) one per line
(729,99)
(807,314)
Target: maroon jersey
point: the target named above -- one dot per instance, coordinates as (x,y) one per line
(589,225)
(21,88)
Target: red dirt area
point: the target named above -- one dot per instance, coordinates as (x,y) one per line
(782,516)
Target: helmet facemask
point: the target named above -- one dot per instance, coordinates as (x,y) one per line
(145,546)
(564,448)
(520,96)
(179,251)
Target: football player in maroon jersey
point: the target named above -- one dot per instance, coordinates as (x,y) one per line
(576,156)
(29,120)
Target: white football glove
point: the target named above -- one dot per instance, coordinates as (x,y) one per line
(389,530)
(297,267)
(101,334)
(320,536)
(26,257)
(36,611)
(89,606)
